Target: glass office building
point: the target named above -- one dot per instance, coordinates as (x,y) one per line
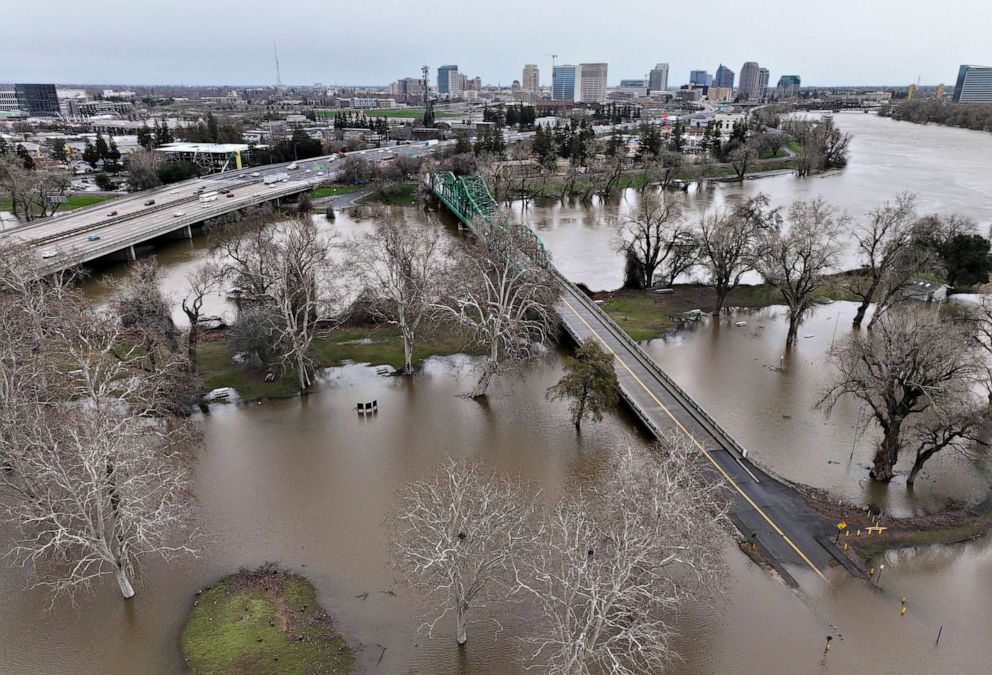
(37,100)
(974,85)
(563,83)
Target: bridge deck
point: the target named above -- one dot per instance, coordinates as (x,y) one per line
(787,529)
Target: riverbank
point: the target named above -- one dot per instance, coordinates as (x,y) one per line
(647,314)
(870,534)
(377,345)
(262,621)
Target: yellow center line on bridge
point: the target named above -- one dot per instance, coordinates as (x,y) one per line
(699,445)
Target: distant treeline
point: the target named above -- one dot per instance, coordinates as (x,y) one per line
(977,116)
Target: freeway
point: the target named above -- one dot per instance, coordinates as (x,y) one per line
(85,234)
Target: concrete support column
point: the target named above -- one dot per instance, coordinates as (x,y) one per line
(188,232)
(131,255)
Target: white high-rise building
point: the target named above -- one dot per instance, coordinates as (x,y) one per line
(750,76)
(658,78)
(592,85)
(532,78)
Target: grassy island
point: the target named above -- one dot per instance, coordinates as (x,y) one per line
(262,621)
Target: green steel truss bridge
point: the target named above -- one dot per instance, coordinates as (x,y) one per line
(469,199)
(768,512)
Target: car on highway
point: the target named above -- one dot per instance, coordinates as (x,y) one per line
(292,167)
(50,253)
(112,213)
(149,202)
(93,237)
(255,174)
(320,173)
(173,192)
(178,214)
(230,195)
(307,171)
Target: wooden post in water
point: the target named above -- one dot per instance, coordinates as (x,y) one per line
(938,635)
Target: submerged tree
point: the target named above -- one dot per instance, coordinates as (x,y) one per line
(916,373)
(503,301)
(796,258)
(730,243)
(95,467)
(892,252)
(402,268)
(656,236)
(589,383)
(613,565)
(458,536)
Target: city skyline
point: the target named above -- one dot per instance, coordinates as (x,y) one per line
(146,47)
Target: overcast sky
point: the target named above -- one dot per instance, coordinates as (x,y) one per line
(375,42)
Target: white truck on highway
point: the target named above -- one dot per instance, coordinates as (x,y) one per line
(208,197)
(274,178)
(429,143)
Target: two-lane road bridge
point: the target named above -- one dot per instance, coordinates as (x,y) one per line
(766,510)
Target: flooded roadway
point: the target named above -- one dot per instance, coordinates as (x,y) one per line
(308,484)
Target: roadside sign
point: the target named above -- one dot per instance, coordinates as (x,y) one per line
(841,525)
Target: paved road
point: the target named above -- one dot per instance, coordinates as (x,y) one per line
(790,533)
(84,234)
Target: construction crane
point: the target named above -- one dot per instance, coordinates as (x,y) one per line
(554,60)
(275,52)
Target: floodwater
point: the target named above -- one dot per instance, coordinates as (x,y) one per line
(948,170)
(309,484)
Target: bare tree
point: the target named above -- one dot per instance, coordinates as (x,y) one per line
(142,170)
(656,236)
(199,282)
(613,566)
(742,155)
(457,537)
(912,363)
(504,302)
(796,259)
(33,192)
(890,253)
(302,292)
(402,268)
(95,469)
(143,309)
(730,241)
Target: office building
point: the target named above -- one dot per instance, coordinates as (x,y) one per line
(633,84)
(762,90)
(444,78)
(564,79)
(8,101)
(974,85)
(532,78)
(700,78)
(658,77)
(592,88)
(408,90)
(724,77)
(750,80)
(788,86)
(38,100)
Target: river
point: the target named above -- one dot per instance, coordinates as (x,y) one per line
(308,483)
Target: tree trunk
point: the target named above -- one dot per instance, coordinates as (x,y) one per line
(790,338)
(407,352)
(126,589)
(191,344)
(483,384)
(462,636)
(721,297)
(580,409)
(859,316)
(921,459)
(887,453)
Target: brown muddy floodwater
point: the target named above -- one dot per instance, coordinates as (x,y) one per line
(308,484)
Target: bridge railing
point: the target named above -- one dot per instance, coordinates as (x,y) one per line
(685,399)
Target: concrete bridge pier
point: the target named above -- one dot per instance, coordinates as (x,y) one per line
(184,232)
(130,254)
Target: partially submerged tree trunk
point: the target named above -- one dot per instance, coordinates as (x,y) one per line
(887,453)
(127,590)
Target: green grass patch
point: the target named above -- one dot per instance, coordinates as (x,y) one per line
(868,547)
(794,145)
(333,190)
(376,345)
(405,195)
(71,203)
(265,621)
(645,314)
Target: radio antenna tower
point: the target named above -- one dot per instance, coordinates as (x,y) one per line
(275,51)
